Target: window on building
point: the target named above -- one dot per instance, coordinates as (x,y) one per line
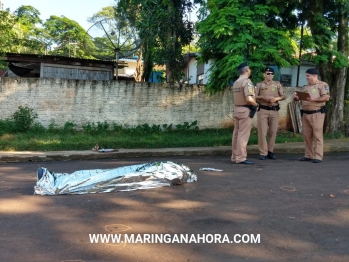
(285,80)
(200,79)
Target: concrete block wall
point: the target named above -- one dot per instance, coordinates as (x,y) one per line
(121,102)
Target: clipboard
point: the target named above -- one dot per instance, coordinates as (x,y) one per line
(302,95)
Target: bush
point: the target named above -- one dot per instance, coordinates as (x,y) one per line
(53,127)
(6,126)
(24,118)
(116,127)
(37,128)
(69,127)
(102,127)
(187,126)
(93,129)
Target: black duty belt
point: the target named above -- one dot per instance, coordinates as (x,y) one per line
(310,112)
(274,108)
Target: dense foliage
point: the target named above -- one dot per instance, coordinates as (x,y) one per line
(234,32)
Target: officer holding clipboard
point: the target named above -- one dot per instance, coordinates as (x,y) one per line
(313,96)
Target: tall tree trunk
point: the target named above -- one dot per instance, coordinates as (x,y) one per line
(147,51)
(138,72)
(335,77)
(334,121)
(335,117)
(168,70)
(321,40)
(346,108)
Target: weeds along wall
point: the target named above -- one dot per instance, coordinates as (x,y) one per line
(121,102)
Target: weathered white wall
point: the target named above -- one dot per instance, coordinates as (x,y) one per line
(207,71)
(122,102)
(131,67)
(193,71)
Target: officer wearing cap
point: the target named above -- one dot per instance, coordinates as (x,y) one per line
(268,94)
(243,97)
(313,115)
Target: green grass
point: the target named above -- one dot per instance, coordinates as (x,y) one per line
(68,140)
(21,133)
(53,138)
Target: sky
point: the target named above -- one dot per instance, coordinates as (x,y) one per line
(77,10)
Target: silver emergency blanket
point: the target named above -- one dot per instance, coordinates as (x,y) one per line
(143,176)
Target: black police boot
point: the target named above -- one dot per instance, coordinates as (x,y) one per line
(305,159)
(246,162)
(261,157)
(271,155)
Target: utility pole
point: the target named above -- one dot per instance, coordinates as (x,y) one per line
(300,50)
(72,43)
(188,53)
(69,45)
(117,50)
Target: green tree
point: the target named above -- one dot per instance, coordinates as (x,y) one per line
(7,21)
(164,30)
(328,24)
(106,12)
(19,33)
(28,15)
(131,11)
(236,31)
(329,21)
(192,47)
(66,37)
(29,34)
(23,32)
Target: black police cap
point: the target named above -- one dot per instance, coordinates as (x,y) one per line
(312,71)
(242,65)
(269,70)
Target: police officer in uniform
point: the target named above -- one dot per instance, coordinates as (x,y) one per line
(268,94)
(243,97)
(313,115)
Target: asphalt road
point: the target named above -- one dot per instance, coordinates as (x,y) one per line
(300,211)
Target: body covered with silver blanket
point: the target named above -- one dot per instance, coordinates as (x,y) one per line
(143,176)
